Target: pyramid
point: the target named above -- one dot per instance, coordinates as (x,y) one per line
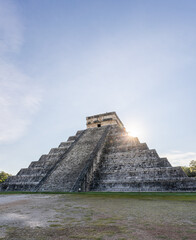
(101,158)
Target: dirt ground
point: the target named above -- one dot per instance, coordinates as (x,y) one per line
(96,217)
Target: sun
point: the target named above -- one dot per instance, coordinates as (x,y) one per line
(135,131)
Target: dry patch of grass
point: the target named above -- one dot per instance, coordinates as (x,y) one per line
(101,216)
(63,232)
(105,231)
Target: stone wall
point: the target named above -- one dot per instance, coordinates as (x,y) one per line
(105,119)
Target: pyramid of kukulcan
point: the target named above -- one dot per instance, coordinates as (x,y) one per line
(100,158)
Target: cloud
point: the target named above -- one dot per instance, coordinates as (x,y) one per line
(179,158)
(11,28)
(20,98)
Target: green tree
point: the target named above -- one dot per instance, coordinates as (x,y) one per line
(192,166)
(186,170)
(191,170)
(3,176)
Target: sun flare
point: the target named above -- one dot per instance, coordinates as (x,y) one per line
(135,131)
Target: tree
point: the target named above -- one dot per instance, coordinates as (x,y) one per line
(191,170)
(3,176)
(186,170)
(193,166)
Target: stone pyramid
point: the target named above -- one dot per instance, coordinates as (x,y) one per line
(101,158)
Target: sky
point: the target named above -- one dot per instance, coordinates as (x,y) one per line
(61,61)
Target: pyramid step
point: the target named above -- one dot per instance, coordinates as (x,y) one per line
(66,144)
(43,158)
(124,164)
(42,161)
(20,186)
(47,162)
(59,150)
(162,185)
(32,171)
(117,131)
(52,157)
(135,153)
(121,144)
(72,138)
(132,157)
(126,148)
(131,181)
(79,132)
(123,139)
(25,179)
(143,173)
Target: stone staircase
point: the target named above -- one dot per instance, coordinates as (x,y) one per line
(128,165)
(66,172)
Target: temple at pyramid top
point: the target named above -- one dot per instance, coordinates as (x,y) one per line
(100,120)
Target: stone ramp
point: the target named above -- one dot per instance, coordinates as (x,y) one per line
(66,172)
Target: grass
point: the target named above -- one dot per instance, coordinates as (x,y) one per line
(55,225)
(171,196)
(106,215)
(61,232)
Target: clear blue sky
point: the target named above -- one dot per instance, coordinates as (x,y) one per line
(61,61)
